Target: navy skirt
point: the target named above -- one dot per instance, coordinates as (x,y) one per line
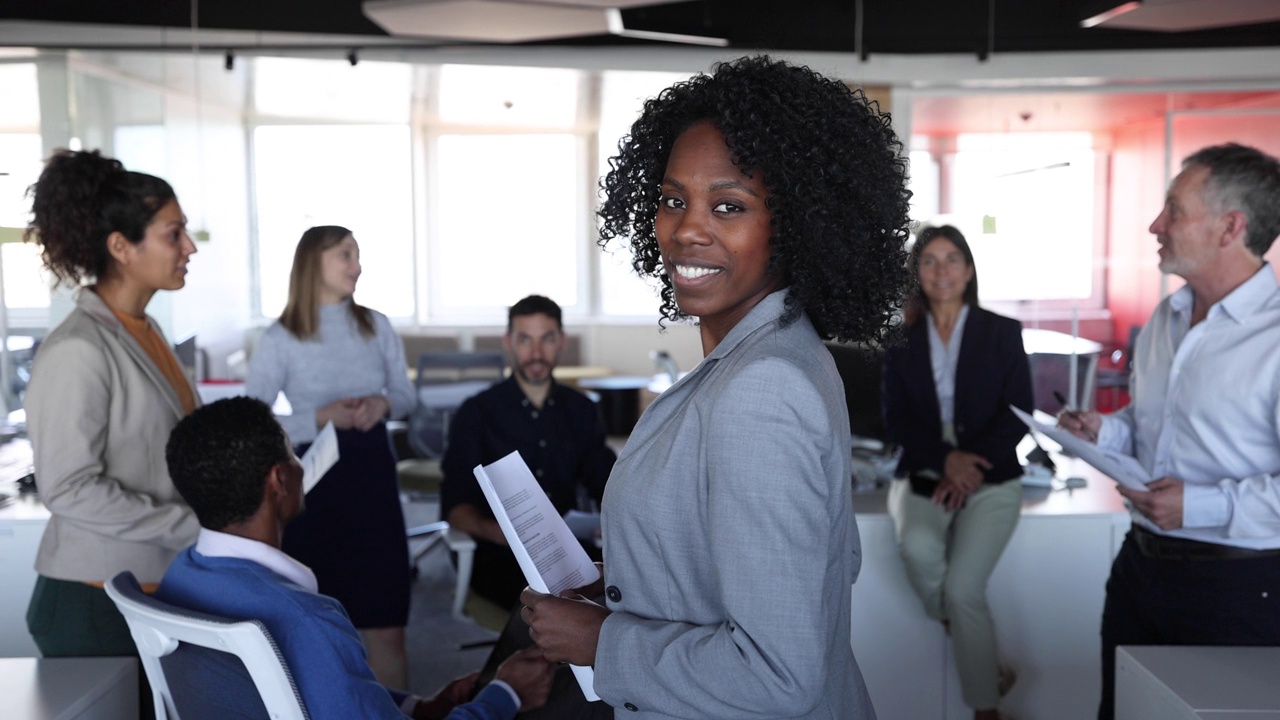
(351,532)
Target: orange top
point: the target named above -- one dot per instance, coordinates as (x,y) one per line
(148,588)
(161,355)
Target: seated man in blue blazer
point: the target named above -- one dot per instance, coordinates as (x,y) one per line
(233,464)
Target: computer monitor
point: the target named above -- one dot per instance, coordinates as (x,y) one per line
(187,353)
(859,368)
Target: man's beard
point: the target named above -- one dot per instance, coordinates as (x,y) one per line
(523,372)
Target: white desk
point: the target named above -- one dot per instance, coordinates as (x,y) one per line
(22,521)
(1046,595)
(1049,354)
(104,688)
(1197,683)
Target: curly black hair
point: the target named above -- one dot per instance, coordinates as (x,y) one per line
(836,176)
(80,198)
(219,457)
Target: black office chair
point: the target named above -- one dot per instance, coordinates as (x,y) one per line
(859,368)
(443,381)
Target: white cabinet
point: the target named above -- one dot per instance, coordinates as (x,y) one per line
(96,688)
(1197,683)
(1046,595)
(21,525)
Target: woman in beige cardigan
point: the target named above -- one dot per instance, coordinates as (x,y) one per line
(105,391)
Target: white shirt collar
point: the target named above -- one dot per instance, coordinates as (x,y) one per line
(212,543)
(1238,304)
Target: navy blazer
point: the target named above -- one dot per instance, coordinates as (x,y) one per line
(992,373)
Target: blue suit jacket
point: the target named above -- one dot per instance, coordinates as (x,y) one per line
(318,641)
(992,373)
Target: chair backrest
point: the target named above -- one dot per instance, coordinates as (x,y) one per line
(444,381)
(435,368)
(205,666)
(859,368)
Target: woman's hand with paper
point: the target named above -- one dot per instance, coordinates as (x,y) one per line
(567,629)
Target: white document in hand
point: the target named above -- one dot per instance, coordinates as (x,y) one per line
(318,458)
(548,553)
(1124,469)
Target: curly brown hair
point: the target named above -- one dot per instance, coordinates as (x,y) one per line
(81,198)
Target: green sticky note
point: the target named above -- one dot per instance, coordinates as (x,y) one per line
(201,235)
(988,224)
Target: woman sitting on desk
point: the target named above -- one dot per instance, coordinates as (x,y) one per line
(769,203)
(947,393)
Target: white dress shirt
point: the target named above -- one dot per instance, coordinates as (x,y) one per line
(943,358)
(211,543)
(1206,410)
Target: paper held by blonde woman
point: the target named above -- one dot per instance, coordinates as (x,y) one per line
(548,553)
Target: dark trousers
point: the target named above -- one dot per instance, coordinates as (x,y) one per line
(74,619)
(1186,602)
(565,701)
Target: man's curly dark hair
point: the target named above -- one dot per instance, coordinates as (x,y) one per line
(836,176)
(219,457)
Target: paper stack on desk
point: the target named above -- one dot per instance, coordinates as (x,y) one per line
(1122,468)
(548,553)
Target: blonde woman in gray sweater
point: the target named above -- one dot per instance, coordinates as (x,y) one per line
(337,361)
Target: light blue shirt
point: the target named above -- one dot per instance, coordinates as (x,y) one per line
(1206,411)
(943,357)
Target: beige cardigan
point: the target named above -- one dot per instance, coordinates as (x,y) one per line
(99,413)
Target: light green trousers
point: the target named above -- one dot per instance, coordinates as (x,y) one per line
(949,557)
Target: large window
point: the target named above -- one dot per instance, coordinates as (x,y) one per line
(506,213)
(332,146)
(26,284)
(467,186)
(1025,202)
(508,221)
(622,292)
(357,176)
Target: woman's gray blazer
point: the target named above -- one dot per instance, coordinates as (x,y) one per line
(99,414)
(730,545)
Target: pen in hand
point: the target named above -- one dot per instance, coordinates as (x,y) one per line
(1062,401)
(1070,411)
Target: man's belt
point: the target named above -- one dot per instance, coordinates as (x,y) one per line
(1164,547)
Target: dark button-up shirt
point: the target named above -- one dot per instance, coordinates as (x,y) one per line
(563,443)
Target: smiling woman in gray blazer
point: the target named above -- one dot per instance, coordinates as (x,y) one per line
(104,394)
(769,202)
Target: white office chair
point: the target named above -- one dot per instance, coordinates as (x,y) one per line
(458,542)
(187,658)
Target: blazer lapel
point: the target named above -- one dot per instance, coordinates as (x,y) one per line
(148,367)
(921,367)
(969,375)
(98,310)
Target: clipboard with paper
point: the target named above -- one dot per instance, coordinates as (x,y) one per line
(1124,469)
(547,551)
